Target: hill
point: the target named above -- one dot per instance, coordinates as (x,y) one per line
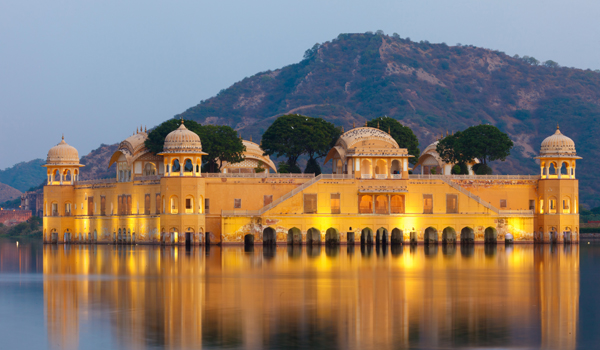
(24,175)
(433,88)
(8,193)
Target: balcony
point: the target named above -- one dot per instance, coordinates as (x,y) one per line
(381,176)
(366,176)
(396,176)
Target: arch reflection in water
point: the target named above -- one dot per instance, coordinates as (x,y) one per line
(417,296)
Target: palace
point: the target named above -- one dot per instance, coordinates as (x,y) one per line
(370,197)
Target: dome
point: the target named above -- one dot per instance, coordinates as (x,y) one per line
(62,154)
(182,140)
(354,136)
(557,145)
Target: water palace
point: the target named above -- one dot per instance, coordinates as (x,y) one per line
(370,197)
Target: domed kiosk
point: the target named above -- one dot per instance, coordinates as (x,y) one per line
(557,151)
(253,159)
(62,163)
(182,153)
(369,153)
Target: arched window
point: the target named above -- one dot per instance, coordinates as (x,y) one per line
(176,166)
(541,206)
(552,205)
(365,205)
(56,176)
(149,169)
(174,205)
(566,205)
(189,167)
(189,205)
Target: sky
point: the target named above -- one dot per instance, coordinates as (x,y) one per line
(96,70)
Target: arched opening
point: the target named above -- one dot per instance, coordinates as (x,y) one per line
(175,167)
(490,236)
(128,237)
(381,204)
(114,237)
(95,236)
(188,166)
(366,204)
(448,236)
(339,168)
(397,204)
(189,204)
(119,237)
(249,240)
(189,237)
(566,205)
(397,236)
(381,168)
(173,236)
(567,235)
(541,205)
(366,236)
(269,236)
(56,177)
(332,236)
(382,236)
(133,238)
(313,236)
(430,236)
(365,169)
(396,170)
(67,176)
(294,236)
(552,205)
(149,169)
(552,170)
(467,236)
(174,204)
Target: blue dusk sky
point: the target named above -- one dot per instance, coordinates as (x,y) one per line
(96,70)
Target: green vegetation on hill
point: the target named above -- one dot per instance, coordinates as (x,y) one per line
(24,175)
(432,88)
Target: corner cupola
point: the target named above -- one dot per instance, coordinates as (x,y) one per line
(62,164)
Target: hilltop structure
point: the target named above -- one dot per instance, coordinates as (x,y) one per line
(370,197)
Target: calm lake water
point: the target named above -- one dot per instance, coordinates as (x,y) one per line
(147,297)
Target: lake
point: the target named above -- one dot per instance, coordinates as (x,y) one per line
(151,297)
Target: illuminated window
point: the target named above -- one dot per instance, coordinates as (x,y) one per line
(310,203)
(268,199)
(158,203)
(237,203)
(189,205)
(502,203)
(102,205)
(147,204)
(381,204)
(552,206)
(451,203)
(541,206)
(335,203)
(174,205)
(67,209)
(427,204)
(365,204)
(531,204)
(129,205)
(567,205)
(90,206)
(397,204)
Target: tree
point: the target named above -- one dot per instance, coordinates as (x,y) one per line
(294,135)
(484,142)
(221,142)
(403,135)
(550,64)
(312,167)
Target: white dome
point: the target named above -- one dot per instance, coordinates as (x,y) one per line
(182,140)
(558,145)
(62,154)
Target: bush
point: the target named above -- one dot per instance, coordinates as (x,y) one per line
(312,167)
(456,169)
(482,169)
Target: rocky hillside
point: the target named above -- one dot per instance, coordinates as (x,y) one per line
(96,163)
(8,193)
(433,88)
(24,175)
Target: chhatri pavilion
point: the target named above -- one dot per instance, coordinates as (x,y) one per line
(370,197)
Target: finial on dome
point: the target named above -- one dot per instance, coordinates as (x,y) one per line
(342,129)
(366,123)
(389,130)
(353,125)
(378,124)
(146,129)
(557,127)
(250,138)
(181,120)
(136,131)
(63,137)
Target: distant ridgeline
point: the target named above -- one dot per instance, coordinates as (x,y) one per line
(432,88)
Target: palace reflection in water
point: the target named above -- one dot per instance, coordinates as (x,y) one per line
(318,297)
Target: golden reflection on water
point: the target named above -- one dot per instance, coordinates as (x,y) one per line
(317,297)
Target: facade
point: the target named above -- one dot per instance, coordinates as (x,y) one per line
(370,197)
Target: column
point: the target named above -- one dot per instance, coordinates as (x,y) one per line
(61,178)
(181,166)
(194,168)
(372,168)
(373,211)
(168,165)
